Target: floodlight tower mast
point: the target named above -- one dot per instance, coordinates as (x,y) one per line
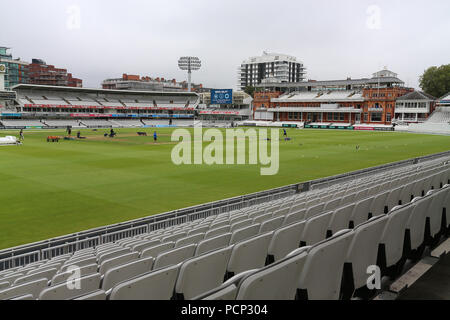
(189,64)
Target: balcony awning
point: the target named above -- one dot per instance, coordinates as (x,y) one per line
(307,109)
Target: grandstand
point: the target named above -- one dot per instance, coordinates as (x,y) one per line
(95,108)
(277,248)
(437,123)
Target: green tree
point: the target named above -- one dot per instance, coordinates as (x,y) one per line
(436,80)
(249,90)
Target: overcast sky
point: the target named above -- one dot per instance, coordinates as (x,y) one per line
(334,39)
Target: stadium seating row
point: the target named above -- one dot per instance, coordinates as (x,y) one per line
(185,261)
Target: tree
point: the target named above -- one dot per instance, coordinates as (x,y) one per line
(436,80)
(249,90)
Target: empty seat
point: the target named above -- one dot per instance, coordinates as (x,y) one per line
(156,250)
(435,212)
(271,224)
(174,256)
(74,272)
(33,288)
(244,233)
(213,244)
(196,238)
(109,263)
(316,229)
(284,241)
(318,281)
(315,210)
(77,287)
(46,274)
(392,241)
(274,282)
(4,285)
(361,212)
(416,222)
(217,231)
(126,271)
(295,217)
(241,224)
(112,254)
(362,252)
(202,273)
(340,219)
(249,254)
(262,218)
(156,285)
(144,245)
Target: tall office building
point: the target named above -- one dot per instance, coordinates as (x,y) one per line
(16,70)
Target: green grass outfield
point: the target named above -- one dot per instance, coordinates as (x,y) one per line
(52,189)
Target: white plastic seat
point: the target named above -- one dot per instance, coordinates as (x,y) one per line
(314,211)
(174,256)
(217,231)
(126,271)
(82,272)
(316,229)
(416,222)
(262,218)
(241,224)
(196,238)
(379,205)
(63,291)
(274,282)
(110,263)
(46,274)
(202,273)
(156,285)
(174,237)
(363,249)
(393,236)
(33,288)
(285,240)
(340,219)
(294,217)
(249,254)
(436,209)
(112,254)
(145,245)
(361,211)
(318,281)
(213,244)
(244,233)
(271,224)
(156,250)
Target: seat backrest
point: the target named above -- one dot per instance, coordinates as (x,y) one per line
(249,254)
(34,288)
(271,224)
(262,218)
(47,274)
(295,217)
(316,229)
(244,233)
(361,211)
(217,231)
(213,244)
(363,249)
(202,273)
(241,224)
(314,211)
(156,250)
(285,240)
(436,209)
(113,254)
(98,295)
(110,263)
(144,245)
(340,218)
(317,278)
(126,271)
(72,272)
(274,282)
(174,237)
(76,288)
(174,256)
(416,221)
(196,238)
(393,236)
(156,285)
(379,203)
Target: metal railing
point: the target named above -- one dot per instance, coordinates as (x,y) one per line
(19,256)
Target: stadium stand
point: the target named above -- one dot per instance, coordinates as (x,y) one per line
(281,249)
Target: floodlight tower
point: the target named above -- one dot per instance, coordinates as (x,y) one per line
(189,64)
